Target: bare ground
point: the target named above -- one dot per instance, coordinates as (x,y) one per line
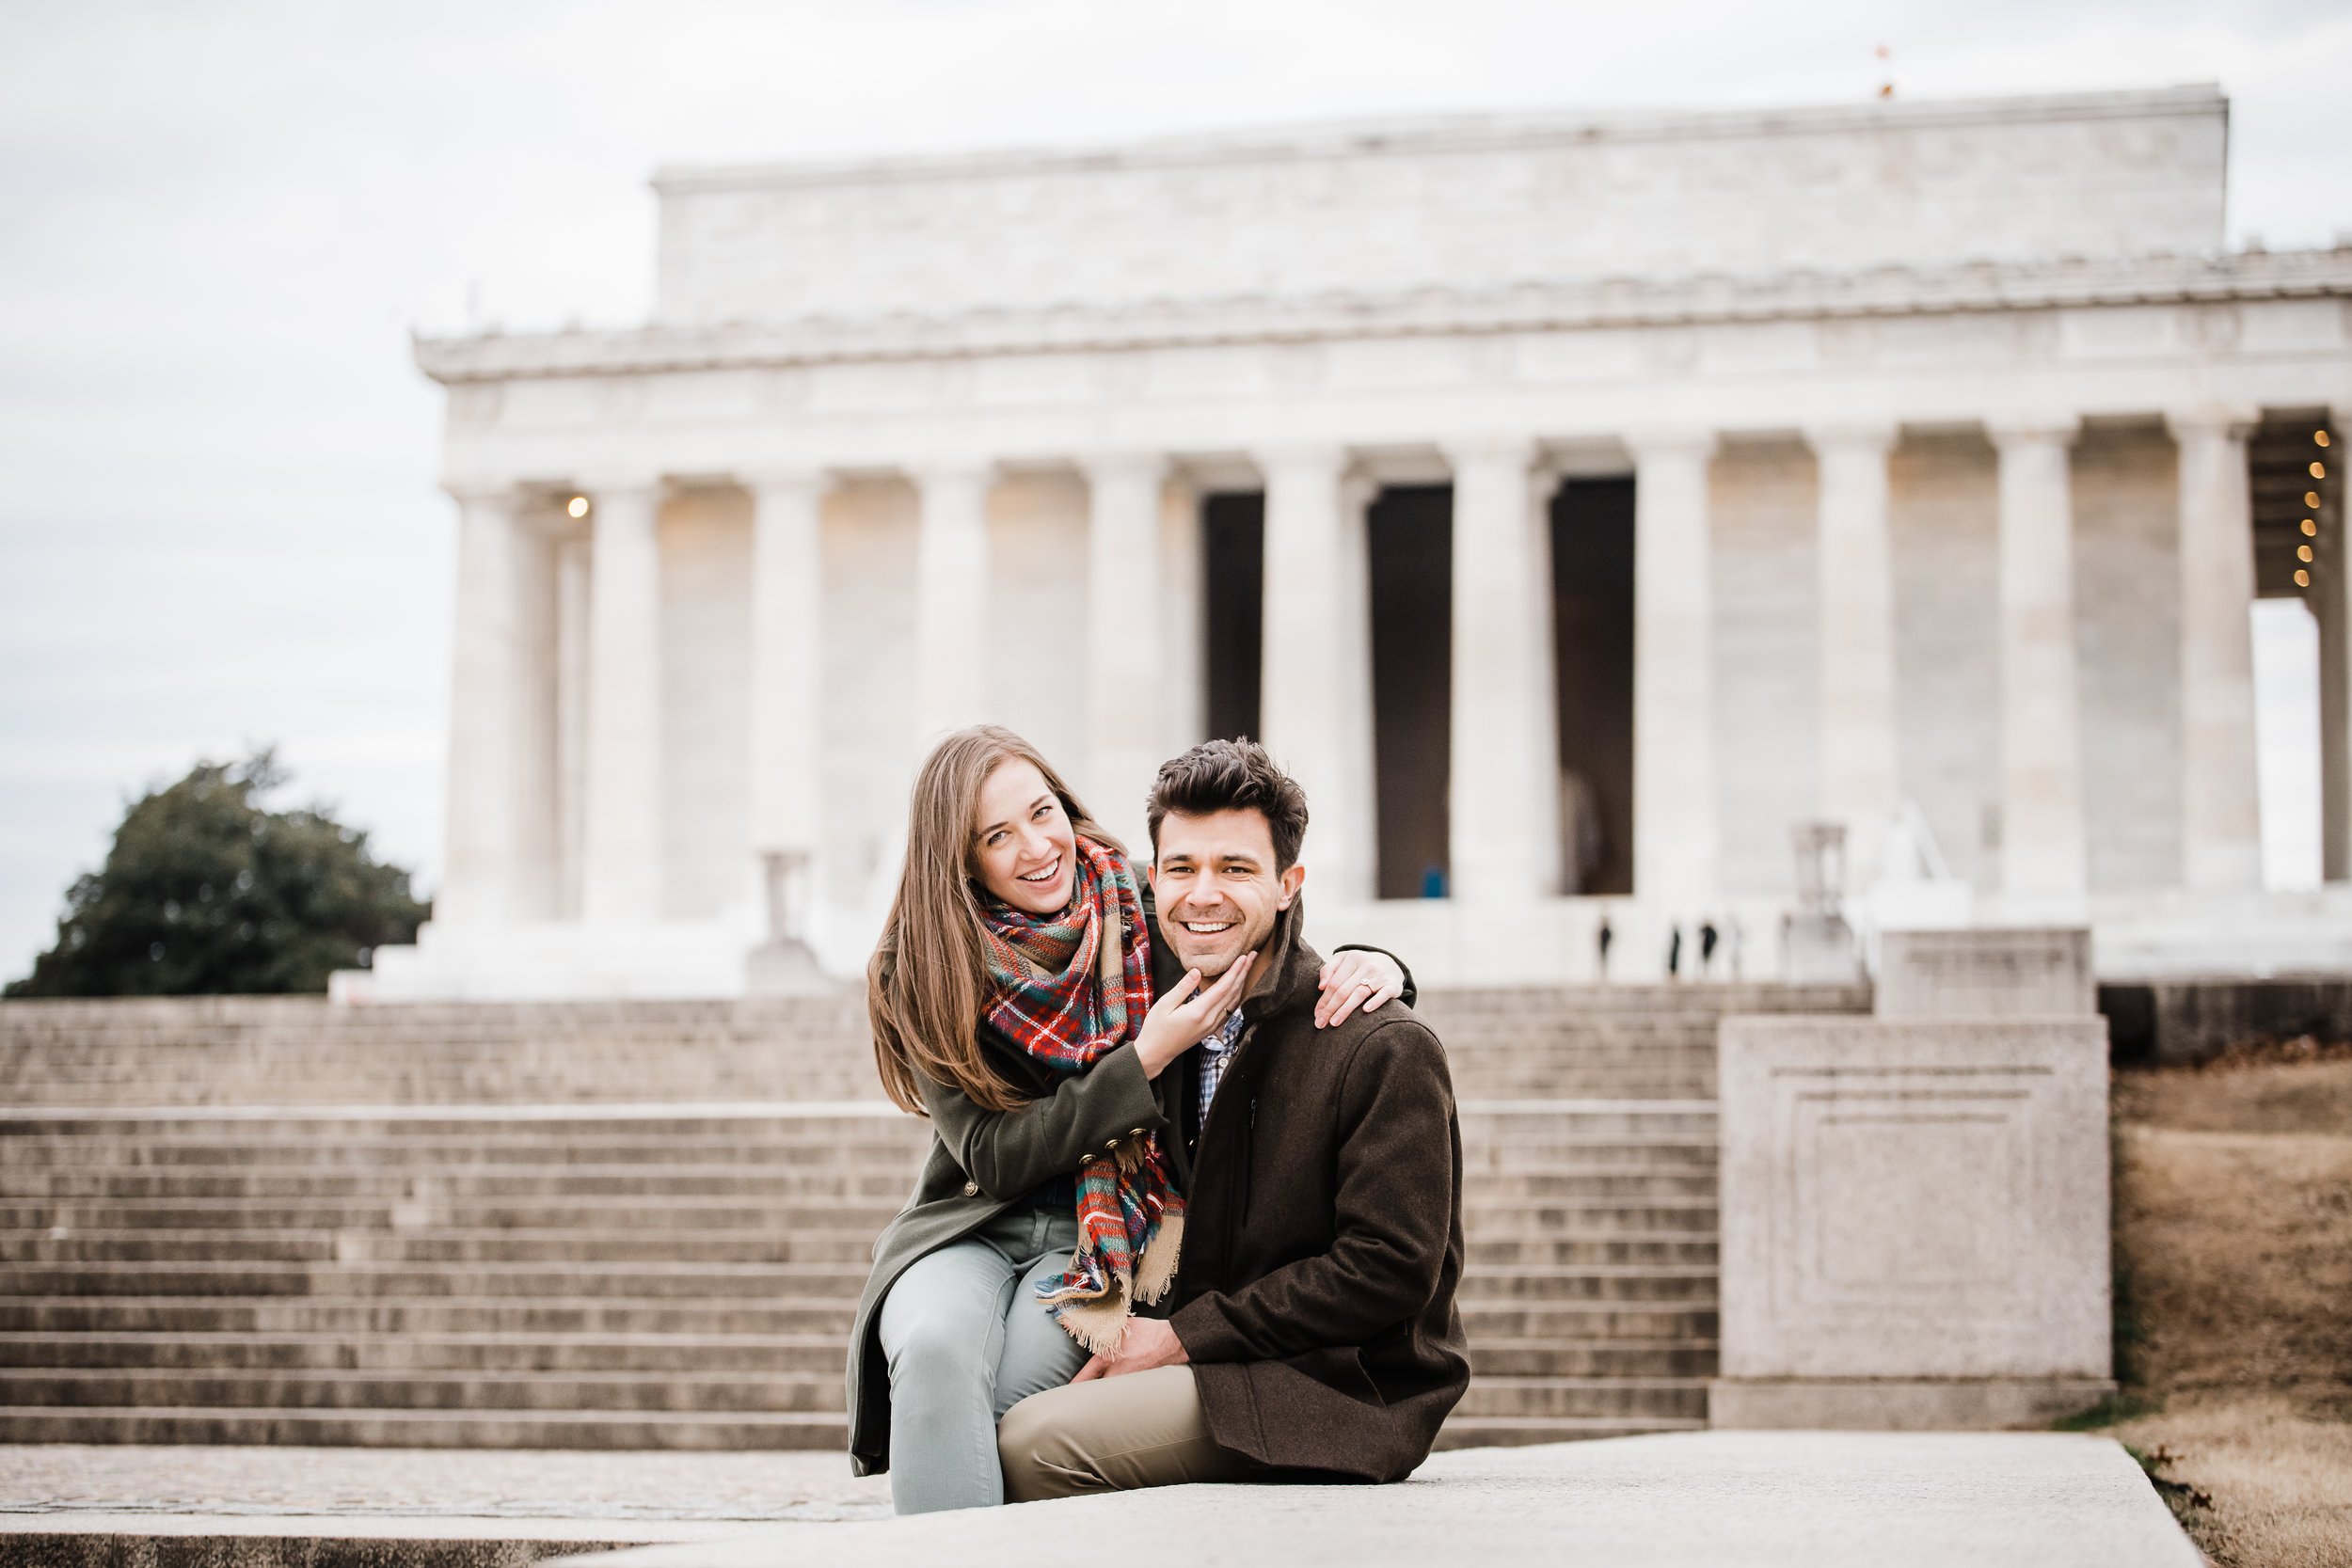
(2234,1273)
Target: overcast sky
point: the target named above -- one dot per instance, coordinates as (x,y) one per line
(218,223)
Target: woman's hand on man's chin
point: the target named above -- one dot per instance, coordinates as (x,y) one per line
(1187,1014)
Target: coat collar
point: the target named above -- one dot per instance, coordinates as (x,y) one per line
(1289,971)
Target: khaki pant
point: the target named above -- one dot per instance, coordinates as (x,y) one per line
(1110,1434)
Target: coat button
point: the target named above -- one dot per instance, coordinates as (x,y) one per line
(971,1189)
(1135,1131)
(1113,1143)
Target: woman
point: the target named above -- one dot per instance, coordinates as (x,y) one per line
(1011,1001)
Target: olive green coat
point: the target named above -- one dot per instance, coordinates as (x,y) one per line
(983,1163)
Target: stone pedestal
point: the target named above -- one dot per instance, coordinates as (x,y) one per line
(1990,971)
(1914,1222)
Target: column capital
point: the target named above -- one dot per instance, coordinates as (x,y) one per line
(1490,447)
(1134,463)
(1311,457)
(2033,427)
(1863,435)
(602,484)
(471,490)
(1656,443)
(2211,420)
(929,473)
(785,477)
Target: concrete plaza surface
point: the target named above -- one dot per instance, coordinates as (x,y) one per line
(1718,1500)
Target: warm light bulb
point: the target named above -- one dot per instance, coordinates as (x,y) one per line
(577,506)
(2319,470)
(2320,437)
(2310,529)
(2302,552)
(2311,499)
(2302,578)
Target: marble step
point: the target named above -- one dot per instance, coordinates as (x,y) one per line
(792,1190)
(665,1393)
(1484,1320)
(672,1393)
(704,1354)
(1544,1397)
(1686,1212)
(700,1354)
(1481,1431)
(716,1431)
(424,1315)
(713,1282)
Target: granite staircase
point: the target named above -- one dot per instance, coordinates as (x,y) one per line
(645,1225)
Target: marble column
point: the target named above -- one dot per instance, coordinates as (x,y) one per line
(497,835)
(2220,805)
(1503,799)
(951,580)
(621,829)
(1316,670)
(1859,782)
(2043,857)
(2335,650)
(574,580)
(1676,830)
(786,696)
(1126,663)
(1184,613)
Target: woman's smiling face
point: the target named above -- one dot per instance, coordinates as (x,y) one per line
(1021,841)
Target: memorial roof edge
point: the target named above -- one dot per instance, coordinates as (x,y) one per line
(1458,133)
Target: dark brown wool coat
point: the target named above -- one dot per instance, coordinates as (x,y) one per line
(1323,1241)
(983,1163)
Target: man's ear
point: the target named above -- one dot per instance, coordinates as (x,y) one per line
(1290,881)
(1152,874)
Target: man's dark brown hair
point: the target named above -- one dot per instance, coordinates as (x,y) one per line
(1231,775)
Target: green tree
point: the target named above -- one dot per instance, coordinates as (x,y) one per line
(206,892)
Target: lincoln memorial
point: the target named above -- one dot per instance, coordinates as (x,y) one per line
(1575,504)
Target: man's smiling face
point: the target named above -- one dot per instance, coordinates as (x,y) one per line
(1218,887)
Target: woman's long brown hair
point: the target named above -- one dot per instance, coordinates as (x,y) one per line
(928,979)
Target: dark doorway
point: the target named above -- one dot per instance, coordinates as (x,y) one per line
(1410,541)
(1592,600)
(1232,539)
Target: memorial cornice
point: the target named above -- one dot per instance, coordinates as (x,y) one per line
(1432,311)
(1441,133)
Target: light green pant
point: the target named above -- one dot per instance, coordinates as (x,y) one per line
(966,1340)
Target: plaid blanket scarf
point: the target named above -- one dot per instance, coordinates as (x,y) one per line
(1067,989)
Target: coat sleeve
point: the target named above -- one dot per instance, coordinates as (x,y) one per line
(1009,1152)
(1393,1202)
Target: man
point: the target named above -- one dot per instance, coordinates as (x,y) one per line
(1312,1331)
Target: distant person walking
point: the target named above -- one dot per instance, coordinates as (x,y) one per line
(1601,940)
(1707,936)
(1674,951)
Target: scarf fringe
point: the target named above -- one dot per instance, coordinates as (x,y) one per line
(1156,1269)
(1100,1322)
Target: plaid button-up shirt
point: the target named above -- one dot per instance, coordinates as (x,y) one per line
(1215,1049)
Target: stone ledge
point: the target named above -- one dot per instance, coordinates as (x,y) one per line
(1892,1404)
(1698,1500)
